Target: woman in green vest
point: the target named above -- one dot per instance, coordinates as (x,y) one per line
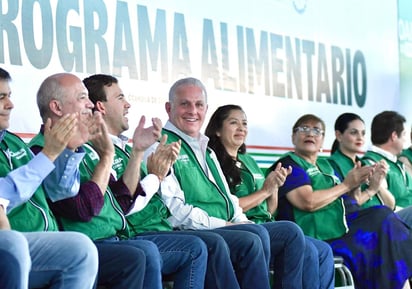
(349,142)
(374,243)
(227,132)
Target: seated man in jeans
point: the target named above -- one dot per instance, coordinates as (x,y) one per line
(99,206)
(40,255)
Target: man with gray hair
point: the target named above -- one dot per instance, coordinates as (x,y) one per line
(198,197)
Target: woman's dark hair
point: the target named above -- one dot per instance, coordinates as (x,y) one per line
(228,164)
(341,124)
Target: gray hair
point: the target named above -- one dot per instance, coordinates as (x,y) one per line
(50,89)
(189,81)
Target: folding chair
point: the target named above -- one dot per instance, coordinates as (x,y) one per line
(343,277)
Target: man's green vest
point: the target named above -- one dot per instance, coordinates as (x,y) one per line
(154,216)
(407,153)
(252,181)
(399,181)
(328,222)
(34,215)
(110,221)
(342,165)
(199,190)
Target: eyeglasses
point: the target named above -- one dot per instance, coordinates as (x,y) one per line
(309,130)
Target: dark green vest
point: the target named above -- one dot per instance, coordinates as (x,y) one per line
(399,181)
(407,153)
(328,222)
(252,181)
(199,190)
(110,221)
(154,216)
(34,215)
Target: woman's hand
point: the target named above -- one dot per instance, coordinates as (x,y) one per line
(378,175)
(358,175)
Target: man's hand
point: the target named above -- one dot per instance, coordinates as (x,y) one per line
(4,221)
(99,137)
(57,137)
(85,129)
(145,137)
(160,162)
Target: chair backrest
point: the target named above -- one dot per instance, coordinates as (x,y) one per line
(343,276)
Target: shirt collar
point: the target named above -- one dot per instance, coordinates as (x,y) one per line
(2,134)
(120,140)
(385,153)
(201,140)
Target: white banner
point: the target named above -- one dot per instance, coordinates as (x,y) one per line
(278,59)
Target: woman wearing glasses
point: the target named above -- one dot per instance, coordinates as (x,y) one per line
(374,244)
(227,131)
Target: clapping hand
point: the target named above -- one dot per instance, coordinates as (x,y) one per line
(145,137)
(378,175)
(99,136)
(160,162)
(276,178)
(358,175)
(56,137)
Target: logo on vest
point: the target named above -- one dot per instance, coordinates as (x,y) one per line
(183,158)
(19,154)
(117,163)
(258,176)
(312,171)
(93,156)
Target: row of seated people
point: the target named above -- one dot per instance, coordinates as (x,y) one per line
(167,206)
(336,199)
(95,184)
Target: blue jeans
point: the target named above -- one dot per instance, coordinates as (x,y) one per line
(125,264)
(14,260)
(287,251)
(61,260)
(121,266)
(220,273)
(405,215)
(183,256)
(224,247)
(249,253)
(318,266)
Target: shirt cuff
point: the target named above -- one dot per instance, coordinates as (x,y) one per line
(42,164)
(4,203)
(150,184)
(216,223)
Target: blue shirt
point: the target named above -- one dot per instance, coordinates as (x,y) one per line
(20,184)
